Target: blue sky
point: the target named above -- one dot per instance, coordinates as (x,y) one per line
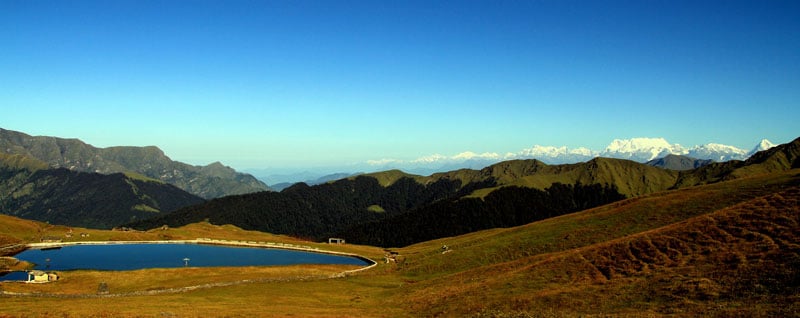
(260,84)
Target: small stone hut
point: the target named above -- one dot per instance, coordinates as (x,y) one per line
(38,276)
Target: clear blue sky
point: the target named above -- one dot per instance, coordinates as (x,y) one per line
(259,84)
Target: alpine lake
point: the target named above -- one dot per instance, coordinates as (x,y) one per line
(122,257)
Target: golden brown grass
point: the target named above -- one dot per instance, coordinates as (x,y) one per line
(164,280)
(314,298)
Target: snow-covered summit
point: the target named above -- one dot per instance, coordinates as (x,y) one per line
(761,146)
(636,149)
(717,152)
(642,149)
(556,155)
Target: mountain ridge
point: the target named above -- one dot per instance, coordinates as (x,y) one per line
(678,162)
(778,158)
(210,181)
(640,149)
(334,207)
(552,155)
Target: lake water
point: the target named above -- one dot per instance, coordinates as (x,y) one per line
(120,257)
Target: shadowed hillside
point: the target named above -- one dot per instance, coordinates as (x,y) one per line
(365,212)
(312,212)
(61,196)
(505,207)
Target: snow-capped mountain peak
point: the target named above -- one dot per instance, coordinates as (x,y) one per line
(641,149)
(550,151)
(636,149)
(468,155)
(550,154)
(717,152)
(761,146)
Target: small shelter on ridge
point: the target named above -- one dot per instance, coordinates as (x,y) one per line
(335,240)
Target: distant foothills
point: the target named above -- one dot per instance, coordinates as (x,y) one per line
(66,181)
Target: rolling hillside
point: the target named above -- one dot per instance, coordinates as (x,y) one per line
(728,249)
(504,207)
(211,181)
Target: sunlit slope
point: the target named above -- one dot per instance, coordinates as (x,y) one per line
(674,251)
(15,230)
(631,178)
(779,158)
(21,162)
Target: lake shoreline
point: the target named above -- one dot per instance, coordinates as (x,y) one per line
(217,242)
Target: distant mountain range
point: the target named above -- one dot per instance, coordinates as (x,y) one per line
(211,181)
(636,149)
(641,150)
(646,149)
(316,181)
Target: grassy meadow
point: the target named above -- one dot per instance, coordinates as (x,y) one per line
(721,250)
